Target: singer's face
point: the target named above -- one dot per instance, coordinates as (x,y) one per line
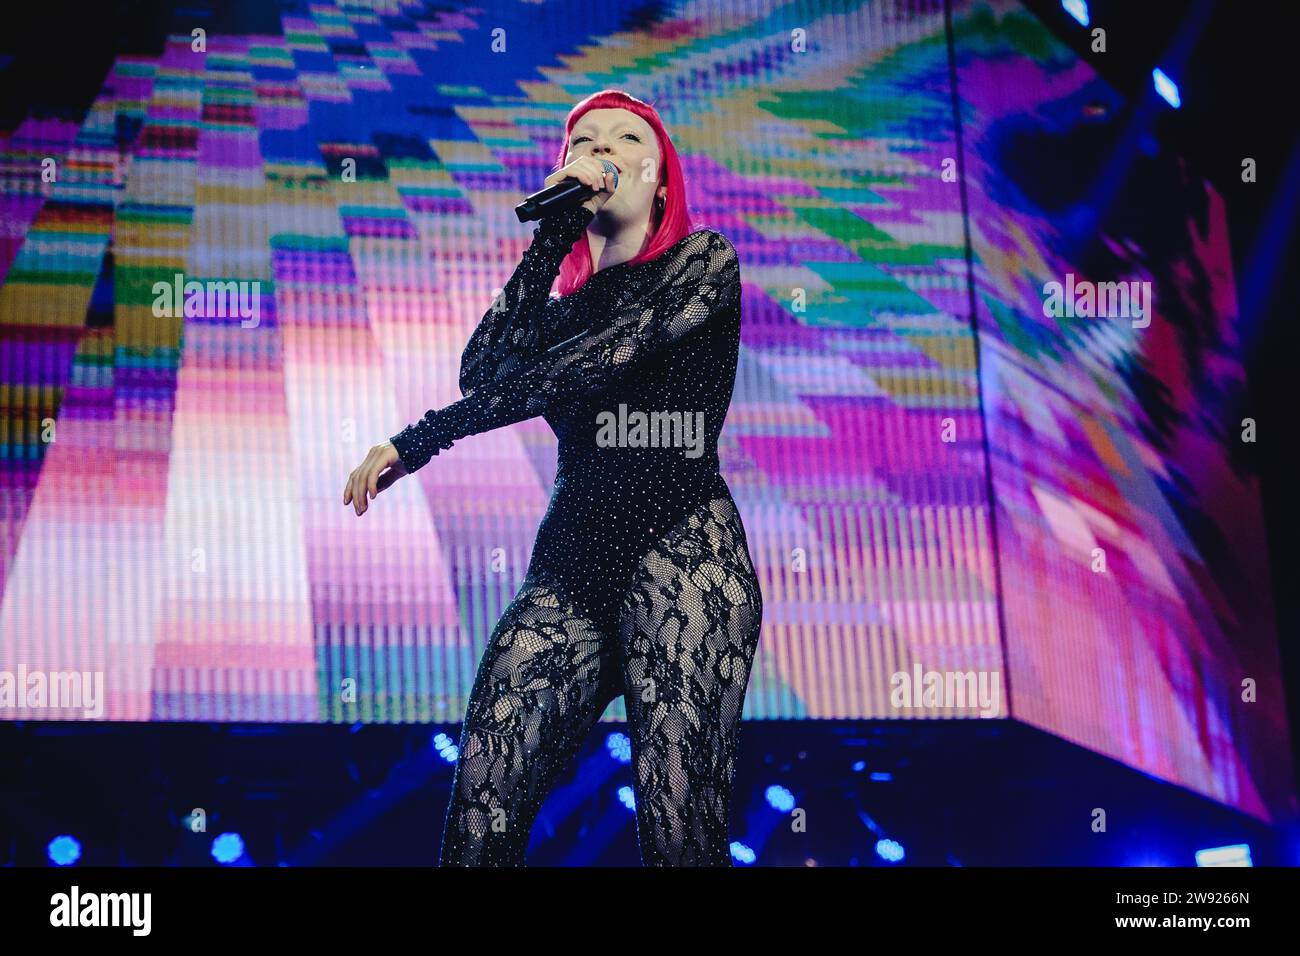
(627,141)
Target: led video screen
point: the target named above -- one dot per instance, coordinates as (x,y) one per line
(250,262)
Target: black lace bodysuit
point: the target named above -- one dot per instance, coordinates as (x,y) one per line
(640,581)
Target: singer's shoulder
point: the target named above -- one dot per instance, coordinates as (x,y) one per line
(715,247)
(709,235)
(711,241)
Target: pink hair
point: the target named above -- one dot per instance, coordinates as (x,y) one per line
(672,226)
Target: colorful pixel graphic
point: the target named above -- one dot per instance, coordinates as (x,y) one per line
(1133,564)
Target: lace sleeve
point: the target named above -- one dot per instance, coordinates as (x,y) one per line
(701,281)
(515,326)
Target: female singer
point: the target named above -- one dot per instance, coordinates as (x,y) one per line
(640,581)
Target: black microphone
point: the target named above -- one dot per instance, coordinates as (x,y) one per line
(567,192)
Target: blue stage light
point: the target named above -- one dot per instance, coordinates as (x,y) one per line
(859,766)
(619,747)
(1166,87)
(63,850)
(741,853)
(779,798)
(446,747)
(890,850)
(1238,854)
(627,796)
(227,848)
(882,775)
(1077,9)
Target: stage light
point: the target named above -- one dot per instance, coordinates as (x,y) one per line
(1238,854)
(890,850)
(741,853)
(63,850)
(1077,9)
(619,747)
(779,798)
(627,796)
(1166,87)
(884,776)
(859,766)
(227,848)
(446,748)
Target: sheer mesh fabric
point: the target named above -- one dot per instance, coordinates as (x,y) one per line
(681,655)
(688,636)
(544,679)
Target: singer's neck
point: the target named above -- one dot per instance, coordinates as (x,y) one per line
(612,242)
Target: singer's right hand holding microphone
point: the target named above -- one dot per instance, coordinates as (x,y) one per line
(590,172)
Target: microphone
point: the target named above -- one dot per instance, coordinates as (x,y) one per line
(564,194)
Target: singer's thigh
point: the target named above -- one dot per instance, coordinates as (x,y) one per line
(689,631)
(546,676)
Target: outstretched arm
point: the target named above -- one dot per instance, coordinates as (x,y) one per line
(514,326)
(701,281)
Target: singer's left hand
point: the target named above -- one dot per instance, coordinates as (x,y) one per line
(590,172)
